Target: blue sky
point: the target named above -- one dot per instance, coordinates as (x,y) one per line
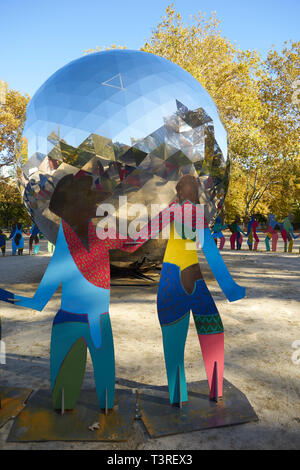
(39,36)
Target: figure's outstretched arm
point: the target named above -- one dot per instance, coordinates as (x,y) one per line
(48,285)
(6,296)
(44,292)
(241,231)
(149,231)
(230,288)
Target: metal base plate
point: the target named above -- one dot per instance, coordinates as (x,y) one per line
(39,422)
(162,419)
(12,402)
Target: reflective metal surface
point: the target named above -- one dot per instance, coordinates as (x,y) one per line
(133,121)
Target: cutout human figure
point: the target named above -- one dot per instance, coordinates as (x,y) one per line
(272,232)
(217,232)
(181,289)
(236,234)
(17,240)
(288,233)
(80,263)
(251,233)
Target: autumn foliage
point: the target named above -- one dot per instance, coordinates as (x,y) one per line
(258,105)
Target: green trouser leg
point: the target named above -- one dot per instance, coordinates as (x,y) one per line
(285,247)
(67,362)
(70,377)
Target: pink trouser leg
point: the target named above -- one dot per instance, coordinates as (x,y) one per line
(256,243)
(232,240)
(222,243)
(274,241)
(212,347)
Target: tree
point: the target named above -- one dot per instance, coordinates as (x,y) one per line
(12,155)
(273,175)
(227,73)
(254,98)
(12,116)
(11,205)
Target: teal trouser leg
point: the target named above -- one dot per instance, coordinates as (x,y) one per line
(174,337)
(104,363)
(267,242)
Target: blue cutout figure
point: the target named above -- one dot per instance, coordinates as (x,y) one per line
(80,263)
(17,240)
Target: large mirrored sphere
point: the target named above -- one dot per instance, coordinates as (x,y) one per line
(133,121)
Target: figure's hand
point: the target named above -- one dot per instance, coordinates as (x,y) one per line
(7,296)
(236,294)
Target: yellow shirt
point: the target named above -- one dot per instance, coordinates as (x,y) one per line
(181,252)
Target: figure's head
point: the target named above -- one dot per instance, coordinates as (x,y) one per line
(75,200)
(188,189)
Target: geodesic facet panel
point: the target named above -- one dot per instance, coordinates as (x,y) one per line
(133,121)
